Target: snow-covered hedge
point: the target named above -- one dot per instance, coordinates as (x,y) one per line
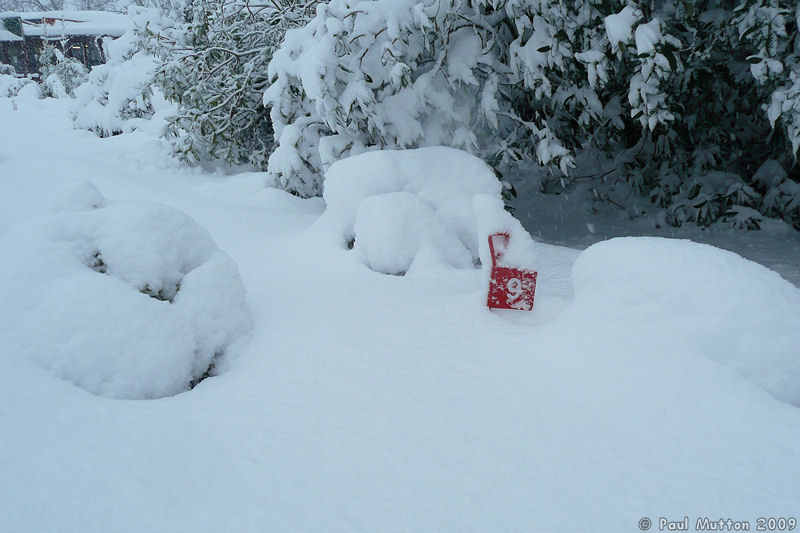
(696,299)
(679,102)
(413,209)
(129,300)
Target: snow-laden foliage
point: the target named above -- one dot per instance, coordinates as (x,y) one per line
(731,117)
(217,76)
(60,75)
(506,80)
(121,92)
(678,101)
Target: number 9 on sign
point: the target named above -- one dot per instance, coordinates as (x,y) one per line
(514,287)
(511,288)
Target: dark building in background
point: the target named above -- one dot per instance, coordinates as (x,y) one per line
(78,34)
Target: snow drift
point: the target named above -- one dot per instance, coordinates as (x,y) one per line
(10,85)
(667,293)
(438,203)
(130,300)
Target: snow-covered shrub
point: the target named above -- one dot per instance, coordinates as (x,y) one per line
(664,96)
(122,92)
(10,84)
(29,91)
(697,299)
(60,75)
(218,74)
(397,208)
(117,92)
(129,300)
(504,80)
(725,100)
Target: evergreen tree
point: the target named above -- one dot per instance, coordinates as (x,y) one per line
(681,101)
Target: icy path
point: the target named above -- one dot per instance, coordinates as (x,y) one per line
(368,402)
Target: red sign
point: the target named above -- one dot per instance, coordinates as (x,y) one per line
(509,288)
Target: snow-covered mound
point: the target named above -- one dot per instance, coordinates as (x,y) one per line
(391,228)
(439,203)
(28,92)
(10,85)
(696,298)
(129,300)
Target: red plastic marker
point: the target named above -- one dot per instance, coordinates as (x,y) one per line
(509,288)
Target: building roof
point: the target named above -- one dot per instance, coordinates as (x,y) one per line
(66,23)
(6,35)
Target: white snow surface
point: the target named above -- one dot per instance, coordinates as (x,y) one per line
(392,228)
(619,27)
(647,36)
(638,385)
(6,35)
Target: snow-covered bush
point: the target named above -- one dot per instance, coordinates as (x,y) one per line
(218,74)
(505,80)
(399,209)
(726,100)
(696,299)
(667,97)
(118,91)
(129,300)
(60,75)
(10,84)
(29,91)
(122,92)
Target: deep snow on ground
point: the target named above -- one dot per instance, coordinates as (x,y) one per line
(367,402)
